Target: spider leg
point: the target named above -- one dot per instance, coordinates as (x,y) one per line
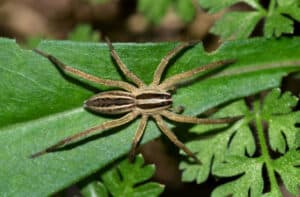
(122,66)
(68,69)
(104,126)
(172,81)
(189,119)
(164,128)
(137,137)
(165,60)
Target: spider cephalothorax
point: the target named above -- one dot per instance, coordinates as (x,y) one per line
(140,99)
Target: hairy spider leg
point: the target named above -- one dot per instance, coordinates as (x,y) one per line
(122,66)
(68,69)
(170,82)
(164,128)
(190,119)
(104,126)
(165,60)
(137,137)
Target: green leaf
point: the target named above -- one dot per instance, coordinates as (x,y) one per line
(95,189)
(97,1)
(128,179)
(277,111)
(154,11)
(211,150)
(277,24)
(84,33)
(243,23)
(125,179)
(291,8)
(185,10)
(228,149)
(40,106)
(250,179)
(217,5)
(287,167)
(238,25)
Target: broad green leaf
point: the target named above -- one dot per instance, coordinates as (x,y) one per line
(128,179)
(84,33)
(40,106)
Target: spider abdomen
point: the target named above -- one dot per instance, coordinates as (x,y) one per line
(111,102)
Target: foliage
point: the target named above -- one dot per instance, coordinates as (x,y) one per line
(156,11)
(278,18)
(230,149)
(84,33)
(127,179)
(39,105)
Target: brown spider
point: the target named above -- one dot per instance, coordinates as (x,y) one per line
(140,99)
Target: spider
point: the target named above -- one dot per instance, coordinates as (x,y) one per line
(138,99)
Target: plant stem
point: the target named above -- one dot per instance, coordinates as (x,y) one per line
(264,149)
(271,6)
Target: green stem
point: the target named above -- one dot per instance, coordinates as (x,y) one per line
(272,6)
(264,150)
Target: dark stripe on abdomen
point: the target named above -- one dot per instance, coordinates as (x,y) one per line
(154,105)
(154,96)
(107,102)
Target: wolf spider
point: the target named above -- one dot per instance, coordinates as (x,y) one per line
(143,100)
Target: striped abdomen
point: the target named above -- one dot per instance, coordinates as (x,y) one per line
(118,102)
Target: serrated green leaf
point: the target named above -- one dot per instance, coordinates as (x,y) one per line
(127,179)
(84,33)
(291,7)
(288,168)
(277,24)
(236,25)
(282,127)
(212,150)
(217,5)
(39,106)
(250,171)
(185,10)
(95,189)
(228,148)
(275,103)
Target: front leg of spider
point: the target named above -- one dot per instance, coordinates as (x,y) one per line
(135,100)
